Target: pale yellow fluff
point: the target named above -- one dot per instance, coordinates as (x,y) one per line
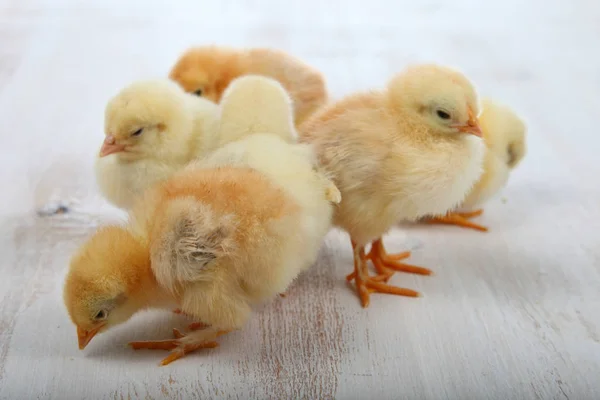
(177,127)
(390,155)
(269,111)
(504,135)
(225,233)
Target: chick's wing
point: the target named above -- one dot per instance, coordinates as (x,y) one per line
(192,237)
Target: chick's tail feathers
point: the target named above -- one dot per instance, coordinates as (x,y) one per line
(256,104)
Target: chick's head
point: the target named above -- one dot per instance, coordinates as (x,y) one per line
(441,98)
(146,120)
(206,71)
(103,283)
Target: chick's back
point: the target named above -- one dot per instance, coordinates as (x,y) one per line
(228,227)
(218,66)
(304,83)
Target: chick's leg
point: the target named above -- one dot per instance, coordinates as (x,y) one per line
(182,344)
(365,285)
(194,326)
(460,219)
(386,264)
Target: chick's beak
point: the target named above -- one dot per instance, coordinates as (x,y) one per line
(84,337)
(110,146)
(472,126)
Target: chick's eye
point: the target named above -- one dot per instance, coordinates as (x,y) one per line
(443,114)
(138,132)
(198,92)
(101,315)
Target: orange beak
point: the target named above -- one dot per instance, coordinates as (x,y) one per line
(472,127)
(84,337)
(110,146)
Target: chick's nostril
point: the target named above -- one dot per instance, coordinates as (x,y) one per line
(110,139)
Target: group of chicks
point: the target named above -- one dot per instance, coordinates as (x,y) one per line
(235,167)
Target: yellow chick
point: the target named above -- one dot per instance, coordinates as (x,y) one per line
(411,150)
(269,111)
(152,129)
(208,70)
(214,241)
(504,136)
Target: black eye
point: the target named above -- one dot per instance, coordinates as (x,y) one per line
(138,132)
(443,114)
(198,92)
(101,315)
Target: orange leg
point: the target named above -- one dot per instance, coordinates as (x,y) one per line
(194,326)
(365,285)
(197,326)
(177,347)
(460,219)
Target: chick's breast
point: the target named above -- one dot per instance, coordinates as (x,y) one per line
(122,183)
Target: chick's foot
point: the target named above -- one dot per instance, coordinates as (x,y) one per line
(365,284)
(387,264)
(194,326)
(197,326)
(460,219)
(180,346)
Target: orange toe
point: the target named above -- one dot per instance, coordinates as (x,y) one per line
(386,264)
(460,219)
(365,284)
(182,351)
(155,345)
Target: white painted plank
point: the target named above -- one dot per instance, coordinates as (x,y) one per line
(513,314)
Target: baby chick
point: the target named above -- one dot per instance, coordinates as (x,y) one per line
(504,136)
(153,129)
(269,111)
(217,238)
(399,154)
(207,71)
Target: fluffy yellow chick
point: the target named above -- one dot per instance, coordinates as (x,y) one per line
(255,104)
(504,136)
(153,129)
(411,150)
(208,70)
(216,238)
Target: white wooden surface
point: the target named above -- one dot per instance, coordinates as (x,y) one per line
(513,314)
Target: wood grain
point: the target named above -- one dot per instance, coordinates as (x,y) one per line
(512,314)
